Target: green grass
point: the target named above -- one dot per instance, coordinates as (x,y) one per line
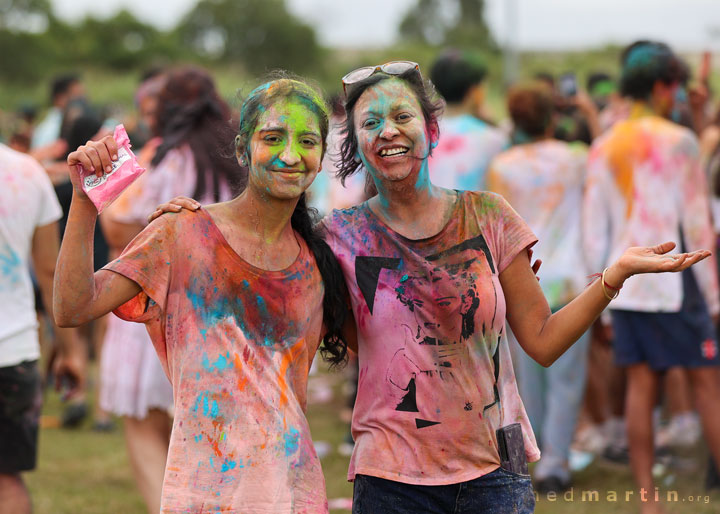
(81,471)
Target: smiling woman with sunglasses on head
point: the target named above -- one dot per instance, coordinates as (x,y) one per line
(236,299)
(433,275)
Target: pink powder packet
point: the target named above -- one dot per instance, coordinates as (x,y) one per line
(103,190)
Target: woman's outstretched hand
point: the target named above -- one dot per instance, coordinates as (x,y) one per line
(638,260)
(175,205)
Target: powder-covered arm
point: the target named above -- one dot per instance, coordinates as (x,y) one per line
(546,336)
(79,294)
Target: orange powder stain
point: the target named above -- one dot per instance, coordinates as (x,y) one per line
(215,439)
(214,443)
(626,148)
(265,436)
(289,357)
(242,380)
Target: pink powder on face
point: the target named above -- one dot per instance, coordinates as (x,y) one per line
(103,190)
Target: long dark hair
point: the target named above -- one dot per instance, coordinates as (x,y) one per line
(304,219)
(190,111)
(430,104)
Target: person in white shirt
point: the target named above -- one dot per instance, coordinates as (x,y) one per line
(29,212)
(468,143)
(645,182)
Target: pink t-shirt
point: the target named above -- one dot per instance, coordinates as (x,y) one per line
(435,378)
(236,343)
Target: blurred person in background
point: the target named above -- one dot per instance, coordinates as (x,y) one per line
(575,116)
(683,428)
(603,431)
(543,179)
(29,214)
(602,89)
(84,127)
(710,151)
(184,113)
(64,89)
(469,143)
(645,182)
(612,107)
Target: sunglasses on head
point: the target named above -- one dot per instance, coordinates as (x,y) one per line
(390,68)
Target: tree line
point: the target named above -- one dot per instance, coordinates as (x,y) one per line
(257,35)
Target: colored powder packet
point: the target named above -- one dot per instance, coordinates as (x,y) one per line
(105,189)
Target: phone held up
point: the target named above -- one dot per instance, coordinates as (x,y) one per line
(567,85)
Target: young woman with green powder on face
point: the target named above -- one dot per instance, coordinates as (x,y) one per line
(433,274)
(237,300)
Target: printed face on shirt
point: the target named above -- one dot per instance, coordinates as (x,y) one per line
(285,149)
(393,140)
(448,317)
(443,304)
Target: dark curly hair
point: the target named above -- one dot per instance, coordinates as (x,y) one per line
(304,219)
(190,111)
(430,104)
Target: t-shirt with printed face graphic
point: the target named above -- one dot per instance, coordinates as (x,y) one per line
(435,379)
(236,342)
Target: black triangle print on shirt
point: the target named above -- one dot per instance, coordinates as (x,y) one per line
(367,273)
(476,243)
(368,268)
(422,423)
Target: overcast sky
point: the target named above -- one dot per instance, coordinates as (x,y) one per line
(540,24)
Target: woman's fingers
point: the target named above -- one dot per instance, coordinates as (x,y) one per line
(81,158)
(683,261)
(110,146)
(186,203)
(95,157)
(104,154)
(154,215)
(536,267)
(175,205)
(663,248)
(694,258)
(169,207)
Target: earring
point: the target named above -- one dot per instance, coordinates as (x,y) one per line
(357,159)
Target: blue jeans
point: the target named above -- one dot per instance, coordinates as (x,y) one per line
(498,492)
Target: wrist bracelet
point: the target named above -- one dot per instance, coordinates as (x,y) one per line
(606,286)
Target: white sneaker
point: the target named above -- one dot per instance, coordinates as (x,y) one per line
(590,439)
(683,430)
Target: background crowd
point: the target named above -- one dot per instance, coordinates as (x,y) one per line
(544,142)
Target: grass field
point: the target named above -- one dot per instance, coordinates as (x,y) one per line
(83,472)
